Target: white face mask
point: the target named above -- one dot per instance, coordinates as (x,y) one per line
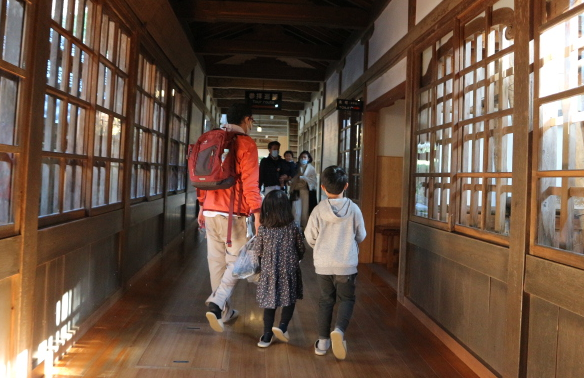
(275,153)
(304,161)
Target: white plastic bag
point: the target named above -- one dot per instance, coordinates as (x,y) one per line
(247,263)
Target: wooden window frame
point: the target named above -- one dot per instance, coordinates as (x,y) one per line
(450,220)
(182,99)
(557,254)
(148,127)
(354,167)
(17,74)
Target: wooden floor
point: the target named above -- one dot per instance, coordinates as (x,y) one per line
(158,329)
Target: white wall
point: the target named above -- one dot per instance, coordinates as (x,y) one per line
(392,130)
(330,146)
(354,66)
(332,89)
(389,80)
(424,7)
(199,82)
(389,28)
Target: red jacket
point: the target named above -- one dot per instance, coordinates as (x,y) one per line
(246,165)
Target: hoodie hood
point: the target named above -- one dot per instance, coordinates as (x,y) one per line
(337,209)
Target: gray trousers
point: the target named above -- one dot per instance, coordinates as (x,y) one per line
(221,258)
(331,288)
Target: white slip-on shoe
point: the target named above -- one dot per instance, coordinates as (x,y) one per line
(339,344)
(321,352)
(216,324)
(282,336)
(265,344)
(232,316)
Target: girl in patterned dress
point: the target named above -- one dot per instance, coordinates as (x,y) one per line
(280,247)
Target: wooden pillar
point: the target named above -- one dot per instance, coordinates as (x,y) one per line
(37,49)
(519,228)
(368,183)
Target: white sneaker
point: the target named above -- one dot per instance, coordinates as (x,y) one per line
(216,324)
(265,344)
(234,314)
(282,336)
(321,352)
(339,344)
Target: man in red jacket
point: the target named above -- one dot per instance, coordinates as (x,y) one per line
(213,215)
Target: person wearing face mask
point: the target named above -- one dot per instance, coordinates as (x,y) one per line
(273,169)
(302,188)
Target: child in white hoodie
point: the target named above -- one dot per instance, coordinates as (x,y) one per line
(334,229)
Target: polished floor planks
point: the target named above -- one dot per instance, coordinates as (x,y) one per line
(384,339)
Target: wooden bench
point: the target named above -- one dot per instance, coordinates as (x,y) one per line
(389,233)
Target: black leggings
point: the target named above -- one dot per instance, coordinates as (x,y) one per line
(270,315)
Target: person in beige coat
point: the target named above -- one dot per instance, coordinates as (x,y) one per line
(300,187)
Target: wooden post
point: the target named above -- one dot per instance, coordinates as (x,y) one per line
(370,125)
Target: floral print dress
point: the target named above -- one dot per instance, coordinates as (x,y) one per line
(280,250)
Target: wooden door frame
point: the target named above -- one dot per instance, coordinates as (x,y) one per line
(370,134)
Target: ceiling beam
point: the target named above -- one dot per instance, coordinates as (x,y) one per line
(283,85)
(274,13)
(239,94)
(287,113)
(263,71)
(225,103)
(269,49)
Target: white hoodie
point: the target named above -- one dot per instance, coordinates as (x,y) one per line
(334,230)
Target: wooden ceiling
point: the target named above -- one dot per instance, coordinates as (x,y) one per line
(284,45)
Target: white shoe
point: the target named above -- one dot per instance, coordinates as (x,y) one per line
(321,352)
(282,336)
(265,344)
(339,344)
(216,324)
(234,314)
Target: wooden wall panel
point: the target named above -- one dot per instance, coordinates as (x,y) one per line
(570,346)
(6,305)
(174,222)
(53,300)
(481,256)
(144,241)
(542,338)
(103,270)
(191,208)
(468,304)
(146,210)
(9,256)
(38,331)
(77,285)
(389,181)
(59,240)
(555,283)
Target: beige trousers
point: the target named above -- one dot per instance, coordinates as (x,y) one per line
(221,258)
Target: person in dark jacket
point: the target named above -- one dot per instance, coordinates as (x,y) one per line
(273,169)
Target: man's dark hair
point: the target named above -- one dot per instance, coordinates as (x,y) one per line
(237,112)
(276,210)
(273,143)
(289,152)
(334,179)
(307,154)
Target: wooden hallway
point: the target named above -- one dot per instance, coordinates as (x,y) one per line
(158,329)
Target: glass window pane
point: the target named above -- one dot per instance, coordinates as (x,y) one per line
(50,178)
(75,130)
(473,147)
(441,198)
(104,86)
(53,137)
(79,75)
(74,177)
(99,183)
(83,18)
(498,205)
(561,212)
(124,50)
(554,8)
(101,134)
(8,101)
(500,158)
(120,91)
(7,173)
(116,139)
(561,57)
(471,202)
(115,192)
(561,132)
(422,190)
(55,70)
(423,155)
(13,32)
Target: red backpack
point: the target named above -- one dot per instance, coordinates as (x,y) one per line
(211,160)
(211,163)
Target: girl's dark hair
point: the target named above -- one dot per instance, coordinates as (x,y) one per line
(307,154)
(276,210)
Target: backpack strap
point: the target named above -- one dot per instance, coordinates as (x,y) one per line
(230,217)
